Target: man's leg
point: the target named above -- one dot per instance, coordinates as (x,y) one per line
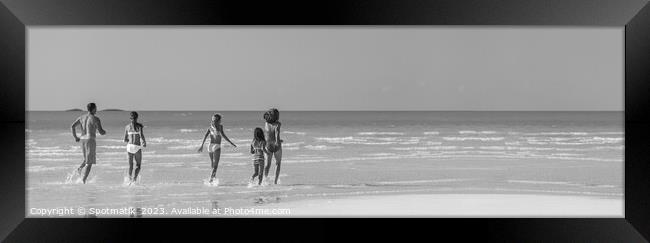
(88,167)
(90,157)
(83,163)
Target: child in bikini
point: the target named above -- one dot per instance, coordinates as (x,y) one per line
(258,149)
(134,139)
(215,132)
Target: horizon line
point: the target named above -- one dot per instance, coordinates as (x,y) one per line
(357,110)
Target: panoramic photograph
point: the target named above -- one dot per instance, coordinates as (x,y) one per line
(324,122)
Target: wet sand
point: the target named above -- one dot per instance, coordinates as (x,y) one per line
(457,205)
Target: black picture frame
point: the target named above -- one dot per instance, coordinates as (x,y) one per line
(634,15)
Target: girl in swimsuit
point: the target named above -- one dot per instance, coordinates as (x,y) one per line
(258,149)
(215,132)
(134,139)
(273,141)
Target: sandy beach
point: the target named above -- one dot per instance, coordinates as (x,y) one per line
(456,205)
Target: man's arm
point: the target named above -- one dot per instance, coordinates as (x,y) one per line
(74,130)
(99,127)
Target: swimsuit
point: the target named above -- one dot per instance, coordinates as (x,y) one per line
(258,156)
(213,147)
(130,147)
(88,149)
(272,146)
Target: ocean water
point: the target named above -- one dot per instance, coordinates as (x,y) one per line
(329,155)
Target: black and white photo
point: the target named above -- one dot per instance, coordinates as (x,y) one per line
(324,121)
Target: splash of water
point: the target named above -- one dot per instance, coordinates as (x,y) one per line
(251,184)
(265,181)
(214,182)
(126,181)
(74,177)
(270,180)
(70,178)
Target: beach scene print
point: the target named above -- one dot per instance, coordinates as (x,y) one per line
(295,121)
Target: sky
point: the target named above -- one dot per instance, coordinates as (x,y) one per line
(326,68)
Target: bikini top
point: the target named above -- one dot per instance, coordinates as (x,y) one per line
(134,133)
(213,132)
(258,146)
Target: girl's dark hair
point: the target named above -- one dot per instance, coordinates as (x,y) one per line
(217,115)
(272,115)
(135,116)
(258,135)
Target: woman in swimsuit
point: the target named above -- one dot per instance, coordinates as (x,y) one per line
(273,141)
(134,139)
(215,132)
(258,149)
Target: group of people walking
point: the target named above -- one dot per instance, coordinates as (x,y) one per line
(266,142)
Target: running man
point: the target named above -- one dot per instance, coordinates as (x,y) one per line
(90,124)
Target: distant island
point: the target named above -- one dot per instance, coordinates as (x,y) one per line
(102,110)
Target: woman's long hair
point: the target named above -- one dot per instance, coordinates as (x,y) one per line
(272,115)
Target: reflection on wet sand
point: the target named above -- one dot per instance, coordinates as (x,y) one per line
(137,213)
(91,197)
(266,200)
(215,204)
(135,202)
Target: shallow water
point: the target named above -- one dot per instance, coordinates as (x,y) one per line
(330,154)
